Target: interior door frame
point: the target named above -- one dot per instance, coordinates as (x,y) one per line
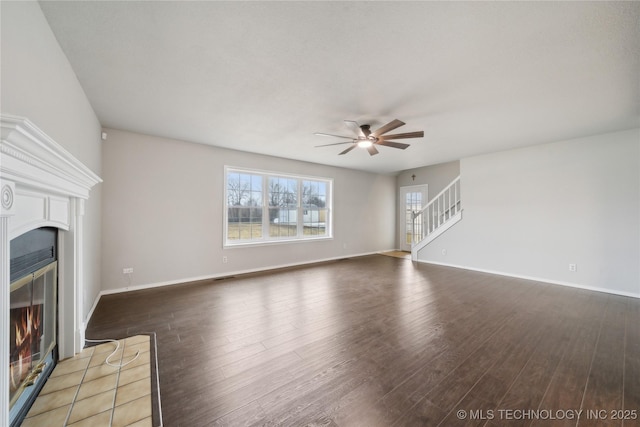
(424,188)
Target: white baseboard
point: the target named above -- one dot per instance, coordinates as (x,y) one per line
(536,279)
(229,274)
(93,307)
(219,276)
(213,276)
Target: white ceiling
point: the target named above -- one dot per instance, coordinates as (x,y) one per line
(263,77)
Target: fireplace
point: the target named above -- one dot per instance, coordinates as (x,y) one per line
(43,189)
(32,317)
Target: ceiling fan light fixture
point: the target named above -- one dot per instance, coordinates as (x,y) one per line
(368,140)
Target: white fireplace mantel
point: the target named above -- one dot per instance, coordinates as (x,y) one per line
(42,185)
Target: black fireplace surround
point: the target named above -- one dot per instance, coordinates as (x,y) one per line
(33,317)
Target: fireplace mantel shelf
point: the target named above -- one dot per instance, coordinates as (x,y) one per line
(42,185)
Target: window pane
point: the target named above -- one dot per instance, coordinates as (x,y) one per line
(314,221)
(256,183)
(252,196)
(314,193)
(283,222)
(244,189)
(283,192)
(283,202)
(413,205)
(244,201)
(244,223)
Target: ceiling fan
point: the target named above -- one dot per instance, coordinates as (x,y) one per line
(365,138)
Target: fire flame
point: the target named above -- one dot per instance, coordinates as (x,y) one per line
(28,333)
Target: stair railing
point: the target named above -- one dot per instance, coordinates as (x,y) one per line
(437,212)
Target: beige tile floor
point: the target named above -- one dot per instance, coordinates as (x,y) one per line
(85,391)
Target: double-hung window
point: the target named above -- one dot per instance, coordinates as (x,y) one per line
(270,207)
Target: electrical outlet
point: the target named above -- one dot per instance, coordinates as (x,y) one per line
(573,267)
(128,270)
(224,259)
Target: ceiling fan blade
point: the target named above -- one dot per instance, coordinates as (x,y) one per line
(348,149)
(335,136)
(335,143)
(389,126)
(372,150)
(418,134)
(354,126)
(392,144)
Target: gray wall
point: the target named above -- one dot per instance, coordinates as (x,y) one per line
(531,212)
(437,177)
(39,84)
(163,212)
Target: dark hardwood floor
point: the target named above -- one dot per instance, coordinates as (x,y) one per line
(381,341)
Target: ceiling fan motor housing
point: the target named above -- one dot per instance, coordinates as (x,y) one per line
(367,139)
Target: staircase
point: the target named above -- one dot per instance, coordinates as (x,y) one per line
(440,214)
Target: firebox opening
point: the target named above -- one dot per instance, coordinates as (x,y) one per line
(33,317)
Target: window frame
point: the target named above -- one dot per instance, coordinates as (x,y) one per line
(265,238)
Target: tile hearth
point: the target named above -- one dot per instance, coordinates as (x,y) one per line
(85,391)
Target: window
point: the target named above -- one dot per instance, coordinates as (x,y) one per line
(269,207)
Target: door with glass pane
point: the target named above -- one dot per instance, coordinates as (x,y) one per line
(412,200)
